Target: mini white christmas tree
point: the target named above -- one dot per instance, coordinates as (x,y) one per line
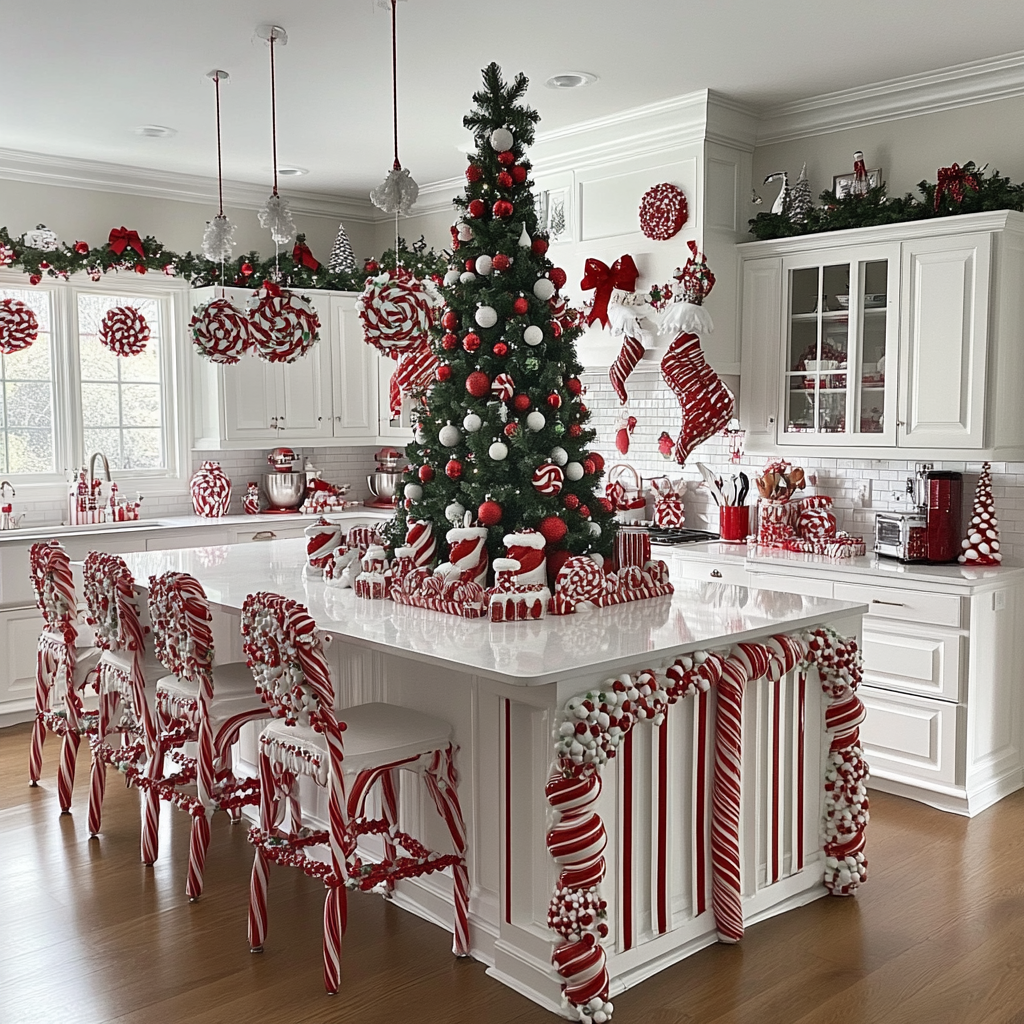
(342,258)
(981,546)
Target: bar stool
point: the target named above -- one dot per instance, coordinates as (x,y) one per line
(285,651)
(64,670)
(198,703)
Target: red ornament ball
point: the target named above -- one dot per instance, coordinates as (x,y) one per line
(511,428)
(453,469)
(552,529)
(449,341)
(500,350)
(520,306)
(477,208)
(573,386)
(478,384)
(246,268)
(588,466)
(471,342)
(426,473)
(489,513)
(501,262)
(503,209)
(444,372)
(583,409)
(450,320)
(506,158)
(555,400)
(604,505)
(519,174)
(140,268)
(474,172)
(471,263)
(571,501)
(598,460)
(575,430)
(556,328)
(539,246)
(584,511)
(558,277)
(34,278)
(504,180)
(521,403)
(81,248)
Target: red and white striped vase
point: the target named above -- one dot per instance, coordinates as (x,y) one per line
(211,491)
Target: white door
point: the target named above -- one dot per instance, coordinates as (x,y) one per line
(944,341)
(355,373)
(250,390)
(305,395)
(19,631)
(762,332)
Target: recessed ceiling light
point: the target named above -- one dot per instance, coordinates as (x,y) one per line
(292,171)
(570,80)
(155,131)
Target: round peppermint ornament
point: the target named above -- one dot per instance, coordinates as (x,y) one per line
(220,331)
(396,310)
(548,478)
(124,331)
(284,325)
(18,326)
(663,211)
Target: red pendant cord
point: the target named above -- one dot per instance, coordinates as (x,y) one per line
(220,167)
(394,74)
(273,109)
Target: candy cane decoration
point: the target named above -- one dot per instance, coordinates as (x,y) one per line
(323,538)
(527,547)
(630,354)
(419,536)
(467,558)
(413,375)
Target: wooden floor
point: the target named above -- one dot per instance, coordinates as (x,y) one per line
(88,935)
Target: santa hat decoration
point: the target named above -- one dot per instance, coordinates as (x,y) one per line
(981,545)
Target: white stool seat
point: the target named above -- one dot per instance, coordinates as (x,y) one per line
(234,692)
(122,662)
(86,660)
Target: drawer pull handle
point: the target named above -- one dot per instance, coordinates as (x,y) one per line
(893,604)
(264,535)
(716,574)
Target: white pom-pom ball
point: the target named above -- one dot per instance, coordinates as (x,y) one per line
(574,471)
(486,316)
(454,513)
(449,436)
(483,264)
(501,139)
(472,423)
(543,289)
(536,421)
(559,456)
(413,492)
(452,277)
(467,277)
(498,451)
(533,335)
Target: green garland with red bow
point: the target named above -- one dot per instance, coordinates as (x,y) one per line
(125,251)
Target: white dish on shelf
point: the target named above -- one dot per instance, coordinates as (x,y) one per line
(872,300)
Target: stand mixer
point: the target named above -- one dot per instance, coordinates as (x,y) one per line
(384,482)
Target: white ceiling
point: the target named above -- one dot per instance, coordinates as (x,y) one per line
(79,76)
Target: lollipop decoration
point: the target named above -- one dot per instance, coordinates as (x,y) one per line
(663,211)
(220,331)
(397,310)
(124,331)
(18,326)
(284,325)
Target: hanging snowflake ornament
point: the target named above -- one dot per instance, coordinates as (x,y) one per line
(663,211)
(220,331)
(124,331)
(284,325)
(396,193)
(277,219)
(397,310)
(18,326)
(218,239)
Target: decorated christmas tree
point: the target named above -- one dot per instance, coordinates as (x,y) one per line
(981,545)
(502,438)
(342,258)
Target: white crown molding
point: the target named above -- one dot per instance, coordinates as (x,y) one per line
(961,85)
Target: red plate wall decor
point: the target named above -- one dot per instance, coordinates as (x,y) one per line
(663,211)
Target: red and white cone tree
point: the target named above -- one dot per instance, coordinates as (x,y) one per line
(981,545)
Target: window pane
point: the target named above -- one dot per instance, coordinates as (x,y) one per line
(140,405)
(143,449)
(98,362)
(106,441)
(28,404)
(32,363)
(100,405)
(29,451)
(145,366)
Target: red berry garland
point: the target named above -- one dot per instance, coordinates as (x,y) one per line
(18,326)
(124,331)
(663,211)
(220,331)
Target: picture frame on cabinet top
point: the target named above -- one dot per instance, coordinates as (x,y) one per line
(842,184)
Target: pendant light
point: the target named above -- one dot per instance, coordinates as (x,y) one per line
(218,238)
(275,215)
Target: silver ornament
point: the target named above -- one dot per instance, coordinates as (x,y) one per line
(536,421)
(413,492)
(498,451)
(472,423)
(455,513)
(467,277)
(484,264)
(559,456)
(574,471)
(449,436)
(452,278)
(543,289)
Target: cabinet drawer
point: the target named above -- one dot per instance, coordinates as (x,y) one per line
(269,533)
(708,572)
(792,584)
(926,663)
(909,738)
(912,605)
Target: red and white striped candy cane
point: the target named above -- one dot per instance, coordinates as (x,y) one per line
(413,375)
(420,537)
(630,354)
(260,867)
(336,898)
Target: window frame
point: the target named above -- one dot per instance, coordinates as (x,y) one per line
(172,298)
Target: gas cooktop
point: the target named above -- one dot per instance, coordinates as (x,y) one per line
(678,535)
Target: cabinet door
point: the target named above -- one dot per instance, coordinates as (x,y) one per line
(19,631)
(250,390)
(304,388)
(944,341)
(761,344)
(355,374)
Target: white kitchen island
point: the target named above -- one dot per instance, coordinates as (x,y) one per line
(504,687)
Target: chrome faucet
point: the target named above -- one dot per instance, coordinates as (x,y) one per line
(4,484)
(92,465)
(8,521)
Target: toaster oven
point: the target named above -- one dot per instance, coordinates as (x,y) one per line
(902,535)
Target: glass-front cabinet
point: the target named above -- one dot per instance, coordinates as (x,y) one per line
(839,365)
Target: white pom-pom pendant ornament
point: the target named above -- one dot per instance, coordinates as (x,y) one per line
(220,331)
(533,335)
(486,316)
(501,139)
(536,421)
(498,451)
(543,288)
(449,435)
(124,331)
(472,423)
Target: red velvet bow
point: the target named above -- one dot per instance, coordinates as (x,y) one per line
(121,238)
(952,179)
(603,280)
(302,256)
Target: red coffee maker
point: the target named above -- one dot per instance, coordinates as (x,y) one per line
(943,493)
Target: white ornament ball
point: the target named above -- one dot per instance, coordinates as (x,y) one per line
(533,335)
(498,451)
(472,423)
(455,513)
(595,530)
(465,232)
(483,264)
(501,139)
(467,277)
(413,492)
(574,471)
(536,421)
(559,456)
(543,289)
(452,277)
(486,316)
(449,436)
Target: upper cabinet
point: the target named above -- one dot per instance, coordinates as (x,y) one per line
(902,337)
(328,397)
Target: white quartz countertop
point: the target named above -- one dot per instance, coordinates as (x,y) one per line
(626,637)
(863,568)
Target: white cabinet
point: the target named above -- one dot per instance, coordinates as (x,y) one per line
(900,337)
(19,630)
(355,373)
